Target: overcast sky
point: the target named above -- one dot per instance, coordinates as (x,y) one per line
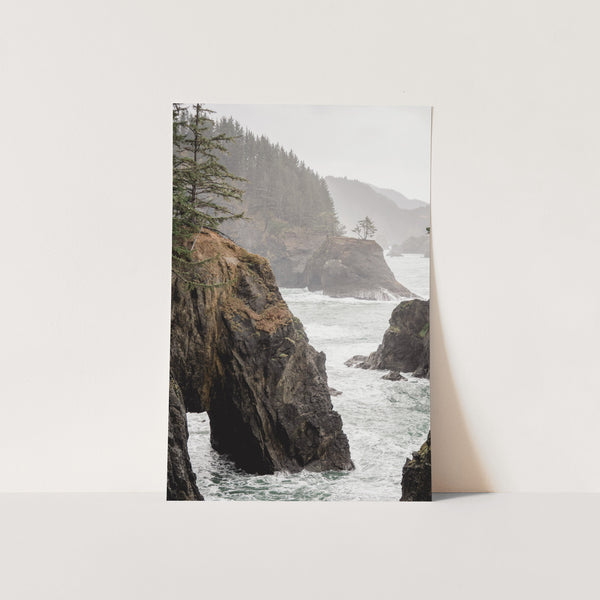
(386,146)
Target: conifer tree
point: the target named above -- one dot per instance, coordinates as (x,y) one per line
(203,188)
(365,229)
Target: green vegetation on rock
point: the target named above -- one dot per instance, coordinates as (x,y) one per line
(204,191)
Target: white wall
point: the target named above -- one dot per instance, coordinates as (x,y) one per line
(85,153)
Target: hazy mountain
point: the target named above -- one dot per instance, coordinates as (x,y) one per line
(400,199)
(354,200)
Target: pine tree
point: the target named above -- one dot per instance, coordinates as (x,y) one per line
(203,188)
(365,229)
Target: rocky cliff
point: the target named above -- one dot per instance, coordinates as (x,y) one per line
(416,475)
(287,250)
(349,267)
(405,345)
(238,353)
(181,479)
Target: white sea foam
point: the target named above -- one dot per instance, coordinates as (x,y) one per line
(385,421)
(303,295)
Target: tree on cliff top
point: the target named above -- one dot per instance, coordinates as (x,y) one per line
(365,229)
(203,189)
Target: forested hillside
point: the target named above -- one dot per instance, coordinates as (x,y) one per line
(279,190)
(288,210)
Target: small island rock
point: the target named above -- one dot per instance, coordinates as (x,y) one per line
(352,268)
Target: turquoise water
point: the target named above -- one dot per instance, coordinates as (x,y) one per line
(385,421)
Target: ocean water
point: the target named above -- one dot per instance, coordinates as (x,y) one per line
(385,421)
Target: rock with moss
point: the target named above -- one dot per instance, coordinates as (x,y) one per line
(416,475)
(346,267)
(405,344)
(240,355)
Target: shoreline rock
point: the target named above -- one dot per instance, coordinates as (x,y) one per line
(238,353)
(405,344)
(181,479)
(416,475)
(356,361)
(345,267)
(394,376)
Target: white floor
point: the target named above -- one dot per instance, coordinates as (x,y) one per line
(485,546)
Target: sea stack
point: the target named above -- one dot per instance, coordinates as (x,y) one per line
(349,267)
(405,344)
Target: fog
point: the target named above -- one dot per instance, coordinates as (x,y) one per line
(382,145)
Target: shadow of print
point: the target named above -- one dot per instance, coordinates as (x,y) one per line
(455,464)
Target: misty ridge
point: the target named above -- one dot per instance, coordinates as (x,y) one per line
(397,218)
(290,209)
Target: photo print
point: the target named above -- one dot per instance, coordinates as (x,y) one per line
(299,365)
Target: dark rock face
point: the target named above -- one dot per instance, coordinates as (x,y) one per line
(416,475)
(181,480)
(422,369)
(405,345)
(238,353)
(348,267)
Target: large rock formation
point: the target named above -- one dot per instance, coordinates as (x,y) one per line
(349,267)
(238,353)
(405,345)
(181,479)
(287,250)
(416,474)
